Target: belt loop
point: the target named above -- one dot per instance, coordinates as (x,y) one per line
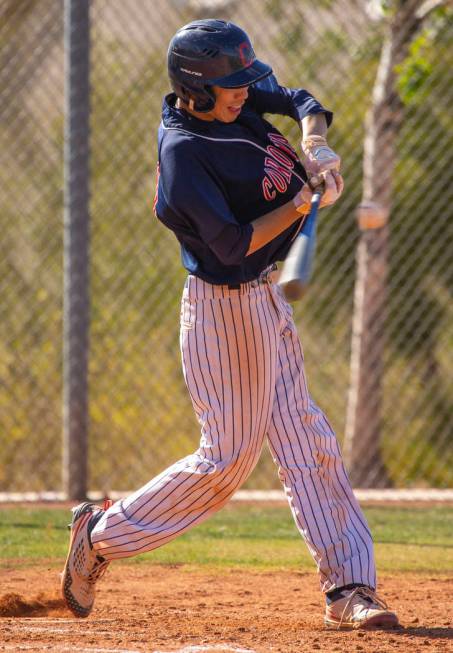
(263,277)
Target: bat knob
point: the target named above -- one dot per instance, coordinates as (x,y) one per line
(293,290)
(317,183)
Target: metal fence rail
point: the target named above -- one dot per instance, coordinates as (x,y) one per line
(140,417)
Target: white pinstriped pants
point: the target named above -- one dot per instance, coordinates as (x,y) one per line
(243,366)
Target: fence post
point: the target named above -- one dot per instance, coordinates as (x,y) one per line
(76,309)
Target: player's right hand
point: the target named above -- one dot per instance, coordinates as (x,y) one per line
(333,187)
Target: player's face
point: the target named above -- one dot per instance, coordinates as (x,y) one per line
(229,103)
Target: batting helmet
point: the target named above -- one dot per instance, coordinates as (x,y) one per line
(211,52)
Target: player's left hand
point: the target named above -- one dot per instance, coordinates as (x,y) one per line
(333,187)
(317,156)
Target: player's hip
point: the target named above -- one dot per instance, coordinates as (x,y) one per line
(196,288)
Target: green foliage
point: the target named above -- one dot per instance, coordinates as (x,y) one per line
(31,324)
(420,303)
(416,75)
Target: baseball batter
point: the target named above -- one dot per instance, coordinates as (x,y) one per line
(234,192)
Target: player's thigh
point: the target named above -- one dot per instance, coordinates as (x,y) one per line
(299,431)
(229,350)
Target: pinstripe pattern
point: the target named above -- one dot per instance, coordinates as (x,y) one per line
(243,366)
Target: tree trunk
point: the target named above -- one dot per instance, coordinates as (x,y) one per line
(362,446)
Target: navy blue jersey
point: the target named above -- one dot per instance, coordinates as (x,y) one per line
(216,178)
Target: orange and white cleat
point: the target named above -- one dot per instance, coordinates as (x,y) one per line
(83,567)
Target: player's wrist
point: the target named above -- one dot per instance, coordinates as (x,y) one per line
(301,202)
(317,154)
(313,141)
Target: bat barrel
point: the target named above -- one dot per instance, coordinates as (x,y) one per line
(297,267)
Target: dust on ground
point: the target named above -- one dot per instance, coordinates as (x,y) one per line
(166,608)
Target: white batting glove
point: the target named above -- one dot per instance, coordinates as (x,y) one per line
(318,156)
(333,187)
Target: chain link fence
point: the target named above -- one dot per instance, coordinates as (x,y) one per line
(140,417)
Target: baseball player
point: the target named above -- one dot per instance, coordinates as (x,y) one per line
(234,192)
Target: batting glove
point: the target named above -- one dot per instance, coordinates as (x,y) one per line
(318,156)
(333,187)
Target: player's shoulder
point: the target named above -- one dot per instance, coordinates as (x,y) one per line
(179,142)
(179,154)
(176,126)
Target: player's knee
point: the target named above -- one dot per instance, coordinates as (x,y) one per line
(233,467)
(232,464)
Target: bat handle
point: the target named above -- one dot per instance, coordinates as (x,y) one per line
(317,184)
(316,199)
(307,226)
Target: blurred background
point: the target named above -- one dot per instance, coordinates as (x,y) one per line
(376,322)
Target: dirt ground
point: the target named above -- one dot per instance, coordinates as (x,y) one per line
(158,609)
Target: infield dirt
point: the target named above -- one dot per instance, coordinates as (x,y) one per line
(157,608)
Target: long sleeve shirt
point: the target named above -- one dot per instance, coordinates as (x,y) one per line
(215,178)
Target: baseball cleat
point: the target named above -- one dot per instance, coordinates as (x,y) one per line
(83,567)
(360,608)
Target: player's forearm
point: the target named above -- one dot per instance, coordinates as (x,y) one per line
(314,124)
(317,156)
(271,225)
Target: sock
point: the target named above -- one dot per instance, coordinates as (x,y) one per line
(91,524)
(337,593)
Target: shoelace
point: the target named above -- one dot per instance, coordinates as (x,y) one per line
(368,594)
(100,565)
(99,569)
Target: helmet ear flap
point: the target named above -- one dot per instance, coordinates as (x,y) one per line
(210,98)
(202,100)
(184,94)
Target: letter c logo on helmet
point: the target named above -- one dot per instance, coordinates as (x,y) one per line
(208,53)
(246,55)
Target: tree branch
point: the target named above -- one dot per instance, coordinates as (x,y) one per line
(428,6)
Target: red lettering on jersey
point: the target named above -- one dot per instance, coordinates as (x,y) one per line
(283,170)
(280,141)
(278,166)
(279,182)
(157,189)
(280,156)
(269,192)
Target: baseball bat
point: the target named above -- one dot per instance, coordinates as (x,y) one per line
(296,271)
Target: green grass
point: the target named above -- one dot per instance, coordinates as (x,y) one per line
(407,539)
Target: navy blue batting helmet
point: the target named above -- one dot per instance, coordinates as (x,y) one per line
(211,52)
